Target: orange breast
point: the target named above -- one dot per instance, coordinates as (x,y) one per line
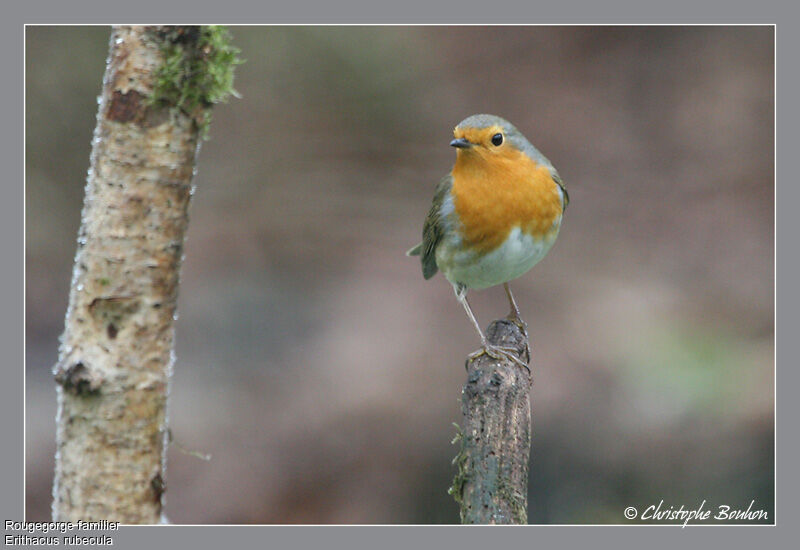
(494,193)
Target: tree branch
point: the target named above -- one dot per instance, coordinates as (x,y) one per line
(491,485)
(115,357)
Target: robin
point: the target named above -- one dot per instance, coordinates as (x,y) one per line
(493,217)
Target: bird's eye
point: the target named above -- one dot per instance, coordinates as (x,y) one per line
(497,140)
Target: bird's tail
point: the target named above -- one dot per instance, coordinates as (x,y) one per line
(414,251)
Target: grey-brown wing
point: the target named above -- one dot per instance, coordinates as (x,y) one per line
(560,183)
(433,230)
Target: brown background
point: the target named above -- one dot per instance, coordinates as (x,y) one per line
(319,370)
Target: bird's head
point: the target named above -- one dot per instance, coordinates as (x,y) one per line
(489,138)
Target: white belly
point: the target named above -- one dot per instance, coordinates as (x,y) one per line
(513,258)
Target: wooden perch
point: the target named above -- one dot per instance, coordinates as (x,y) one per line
(491,485)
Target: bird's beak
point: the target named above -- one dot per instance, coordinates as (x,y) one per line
(461,143)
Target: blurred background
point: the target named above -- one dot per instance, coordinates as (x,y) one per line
(323,374)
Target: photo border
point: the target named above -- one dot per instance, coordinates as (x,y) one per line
(411,12)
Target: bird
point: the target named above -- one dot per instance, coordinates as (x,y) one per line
(493,217)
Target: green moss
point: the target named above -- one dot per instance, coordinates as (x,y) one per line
(456,490)
(197,72)
(515,500)
(504,490)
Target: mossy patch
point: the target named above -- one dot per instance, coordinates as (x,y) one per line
(456,490)
(514,499)
(197,72)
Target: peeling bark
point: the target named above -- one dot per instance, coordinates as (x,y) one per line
(491,485)
(116,356)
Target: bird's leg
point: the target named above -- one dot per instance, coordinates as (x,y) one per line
(515,318)
(514,315)
(495,352)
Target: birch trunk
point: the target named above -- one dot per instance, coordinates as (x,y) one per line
(116,353)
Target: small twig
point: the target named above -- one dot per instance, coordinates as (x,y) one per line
(197,454)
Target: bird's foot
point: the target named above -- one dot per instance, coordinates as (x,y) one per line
(499,353)
(523,326)
(514,318)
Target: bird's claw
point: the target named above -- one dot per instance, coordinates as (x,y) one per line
(499,353)
(514,318)
(523,327)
